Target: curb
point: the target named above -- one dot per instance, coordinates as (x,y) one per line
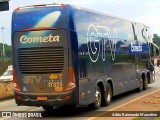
(5,98)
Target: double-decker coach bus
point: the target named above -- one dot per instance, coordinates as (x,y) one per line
(67,55)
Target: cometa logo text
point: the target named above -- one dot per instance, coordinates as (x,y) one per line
(136,48)
(24,39)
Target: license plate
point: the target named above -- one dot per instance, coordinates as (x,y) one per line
(42,98)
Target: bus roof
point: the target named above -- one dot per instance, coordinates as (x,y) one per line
(40,5)
(78,7)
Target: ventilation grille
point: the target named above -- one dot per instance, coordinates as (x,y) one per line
(41,60)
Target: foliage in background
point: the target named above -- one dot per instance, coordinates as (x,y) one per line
(4,65)
(7,59)
(156,40)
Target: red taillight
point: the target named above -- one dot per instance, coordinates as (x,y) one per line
(16,86)
(39,29)
(17,8)
(20,98)
(63,99)
(63,5)
(39,5)
(71,80)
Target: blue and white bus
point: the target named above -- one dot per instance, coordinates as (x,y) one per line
(67,55)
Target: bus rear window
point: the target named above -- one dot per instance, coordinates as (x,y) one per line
(38,17)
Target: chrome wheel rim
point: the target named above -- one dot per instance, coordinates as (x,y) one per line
(108,92)
(98,97)
(146,82)
(141,84)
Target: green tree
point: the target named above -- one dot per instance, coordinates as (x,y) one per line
(156,39)
(4,62)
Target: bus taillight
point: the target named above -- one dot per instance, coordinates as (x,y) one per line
(39,5)
(17,8)
(63,5)
(16,86)
(71,80)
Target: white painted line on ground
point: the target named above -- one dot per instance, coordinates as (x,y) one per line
(123,105)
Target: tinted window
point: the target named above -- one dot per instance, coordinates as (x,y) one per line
(139,32)
(39,17)
(81,20)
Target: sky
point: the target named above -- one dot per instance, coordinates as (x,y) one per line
(143,11)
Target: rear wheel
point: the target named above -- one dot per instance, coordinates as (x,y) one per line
(107,95)
(98,98)
(145,84)
(141,86)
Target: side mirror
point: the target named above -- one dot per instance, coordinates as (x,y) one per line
(157,51)
(154,50)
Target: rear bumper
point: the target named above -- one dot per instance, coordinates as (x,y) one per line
(54,100)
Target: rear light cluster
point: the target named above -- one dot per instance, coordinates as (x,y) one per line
(71,80)
(40,5)
(17,8)
(20,98)
(15,83)
(64,99)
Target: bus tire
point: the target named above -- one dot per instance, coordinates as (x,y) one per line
(145,84)
(107,97)
(141,86)
(98,99)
